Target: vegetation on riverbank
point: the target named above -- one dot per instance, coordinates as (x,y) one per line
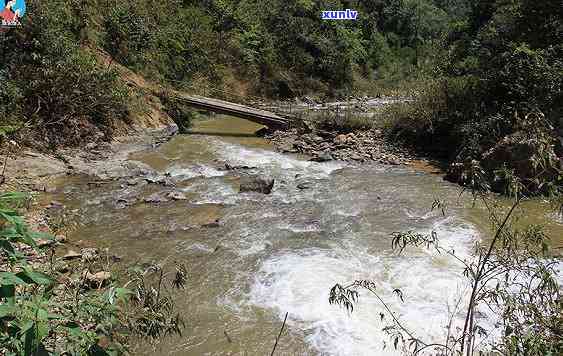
(74,305)
(59,87)
(496,103)
(486,76)
(483,72)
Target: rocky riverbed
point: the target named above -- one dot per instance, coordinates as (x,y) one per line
(358,146)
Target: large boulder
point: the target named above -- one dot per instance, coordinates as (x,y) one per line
(256,184)
(533,160)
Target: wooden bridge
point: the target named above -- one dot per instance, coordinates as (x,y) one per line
(262,117)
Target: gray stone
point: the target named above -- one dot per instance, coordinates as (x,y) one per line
(256,184)
(303,185)
(176,196)
(155,198)
(323,157)
(288,148)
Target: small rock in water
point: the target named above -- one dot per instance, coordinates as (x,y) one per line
(323,157)
(236,168)
(176,196)
(305,185)
(288,148)
(156,179)
(213,224)
(256,184)
(155,198)
(55,205)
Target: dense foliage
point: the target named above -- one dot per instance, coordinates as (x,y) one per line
(497,101)
(51,85)
(55,83)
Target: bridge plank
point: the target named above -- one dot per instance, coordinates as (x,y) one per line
(261,117)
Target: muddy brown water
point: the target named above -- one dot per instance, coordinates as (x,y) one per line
(283,252)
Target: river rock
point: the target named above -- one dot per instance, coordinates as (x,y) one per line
(132,182)
(317,139)
(213,224)
(356,157)
(256,184)
(155,198)
(96,280)
(162,180)
(340,140)
(288,148)
(229,167)
(176,196)
(55,205)
(324,156)
(305,184)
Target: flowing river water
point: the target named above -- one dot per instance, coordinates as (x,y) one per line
(278,253)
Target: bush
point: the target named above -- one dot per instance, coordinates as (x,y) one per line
(53,85)
(43,311)
(27,321)
(179,112)
(129,35)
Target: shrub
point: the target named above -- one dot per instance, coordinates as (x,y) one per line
(53,85)
(129,35)
(44,312)
(182,114)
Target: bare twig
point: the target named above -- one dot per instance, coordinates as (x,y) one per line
(279,335)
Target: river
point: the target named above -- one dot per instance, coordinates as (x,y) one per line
(278,253)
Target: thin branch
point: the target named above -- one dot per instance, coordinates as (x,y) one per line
(279,335)
(482,262)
